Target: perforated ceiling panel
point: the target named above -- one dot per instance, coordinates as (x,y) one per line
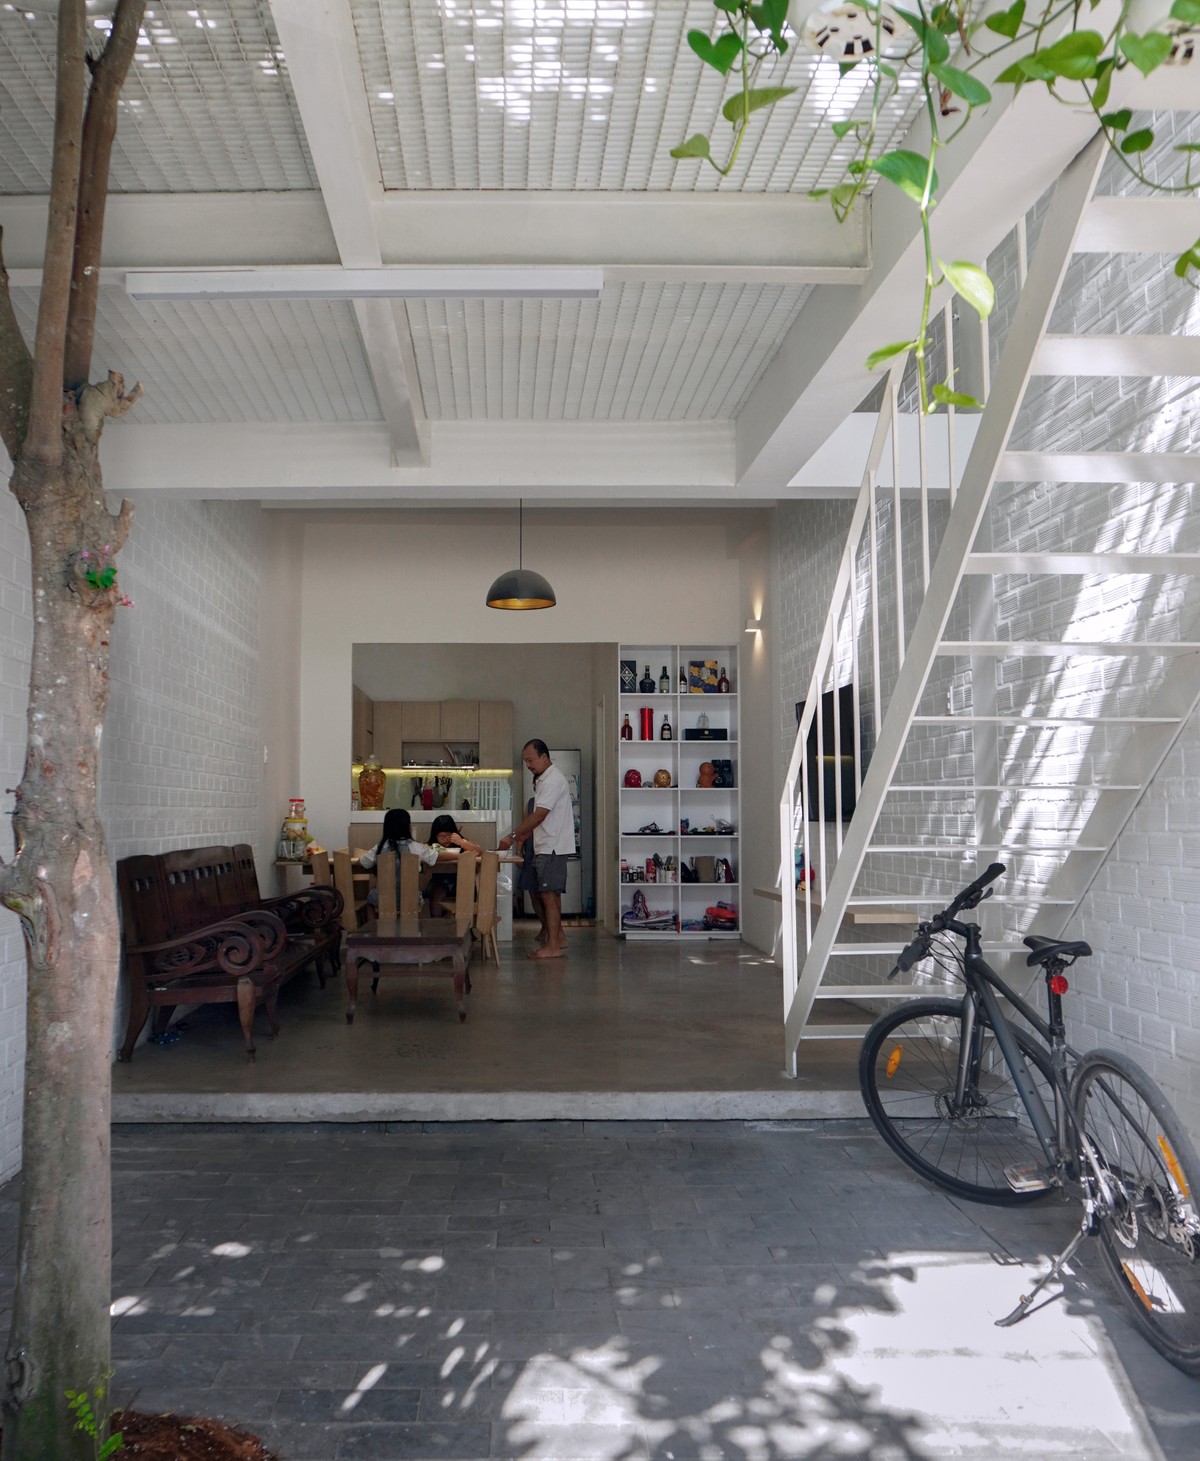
(586,94)
(642,352)
(207,106)
(233,361)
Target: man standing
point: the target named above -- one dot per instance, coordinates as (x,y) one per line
(552,827)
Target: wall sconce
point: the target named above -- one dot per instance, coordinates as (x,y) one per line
(753,626)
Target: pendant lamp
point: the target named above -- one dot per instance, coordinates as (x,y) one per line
(520,587)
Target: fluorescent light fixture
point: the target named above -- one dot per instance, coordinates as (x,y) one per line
(334,282)
(753,626)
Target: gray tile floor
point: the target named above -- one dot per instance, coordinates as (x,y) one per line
(612,1290)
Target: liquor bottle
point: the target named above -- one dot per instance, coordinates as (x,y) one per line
(682,680)
(666,734)
(646,684)
(723,683)
(626,730)
(664,682)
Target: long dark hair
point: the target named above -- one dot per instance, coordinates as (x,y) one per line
(441,824)
(397,828)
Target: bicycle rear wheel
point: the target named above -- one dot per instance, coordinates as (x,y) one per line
(908,1070)
(1148,1186)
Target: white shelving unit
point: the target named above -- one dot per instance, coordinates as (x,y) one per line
(681,821)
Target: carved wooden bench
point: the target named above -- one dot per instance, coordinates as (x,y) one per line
(196,931)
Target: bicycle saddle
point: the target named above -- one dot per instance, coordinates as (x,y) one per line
(1045,949)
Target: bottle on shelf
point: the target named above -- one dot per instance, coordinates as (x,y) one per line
(664,682)
(666,733)
(626,730)
(723,683)
(646,684)
(682,680)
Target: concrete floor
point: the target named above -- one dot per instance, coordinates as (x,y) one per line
(618,1030)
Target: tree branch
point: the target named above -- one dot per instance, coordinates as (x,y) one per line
(16,369)
(43,438)
(99,130)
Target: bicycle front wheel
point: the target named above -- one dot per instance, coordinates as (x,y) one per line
(1143,1172)
(908,1070)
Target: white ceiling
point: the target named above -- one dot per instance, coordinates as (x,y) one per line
(362,133)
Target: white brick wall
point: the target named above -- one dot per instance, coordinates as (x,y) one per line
(180,763)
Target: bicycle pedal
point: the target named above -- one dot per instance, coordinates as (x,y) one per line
(1027,1179)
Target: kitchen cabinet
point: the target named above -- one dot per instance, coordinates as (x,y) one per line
(407,730)
(362,724)
(460,721)
(496,734)
(421,720)
(388,737)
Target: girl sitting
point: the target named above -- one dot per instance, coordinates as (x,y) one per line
(397,837)
(444,837)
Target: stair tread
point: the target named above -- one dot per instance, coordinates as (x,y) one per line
(1079,469)
(1034,648)
(1072,563)
(879,991)
(1045,720)
(1108,355)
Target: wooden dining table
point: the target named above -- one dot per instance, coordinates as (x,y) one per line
(409,946)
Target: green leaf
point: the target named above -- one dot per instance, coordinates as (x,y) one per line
(1118,121)
(740,105)
(971,283)
(845,67)
(770,16)
(730,7)
(1187,261)
(1187,11)
(1008,22)
(721,55)
(973,92)
(907,170)
(843,195)
(840,129)
(1074,56)
(1104,76)
(696,146)
(857,167)
(114,1444)
(889,352)
(885,70)
(1187,147)
(1138,141)
(935,44)
(1146,52)
(944,396)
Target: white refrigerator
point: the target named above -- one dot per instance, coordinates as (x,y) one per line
(569,763)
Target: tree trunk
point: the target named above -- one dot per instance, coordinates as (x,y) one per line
(61,886)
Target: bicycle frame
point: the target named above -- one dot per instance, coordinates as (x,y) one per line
(982,983)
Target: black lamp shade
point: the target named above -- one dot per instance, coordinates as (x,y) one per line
(521,588)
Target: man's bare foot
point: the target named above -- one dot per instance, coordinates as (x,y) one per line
(548,953)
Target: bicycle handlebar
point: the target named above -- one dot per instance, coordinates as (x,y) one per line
(970,897)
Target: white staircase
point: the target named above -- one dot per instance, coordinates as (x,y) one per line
(994,722)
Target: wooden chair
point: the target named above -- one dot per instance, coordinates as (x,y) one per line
(354,908)
(462,905)
(407,903)
(486,917)
(322,872)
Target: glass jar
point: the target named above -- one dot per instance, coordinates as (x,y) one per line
(372,782)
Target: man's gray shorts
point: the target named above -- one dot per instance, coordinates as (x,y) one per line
(551,869)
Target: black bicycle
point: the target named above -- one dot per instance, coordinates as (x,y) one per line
(1004,1113)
